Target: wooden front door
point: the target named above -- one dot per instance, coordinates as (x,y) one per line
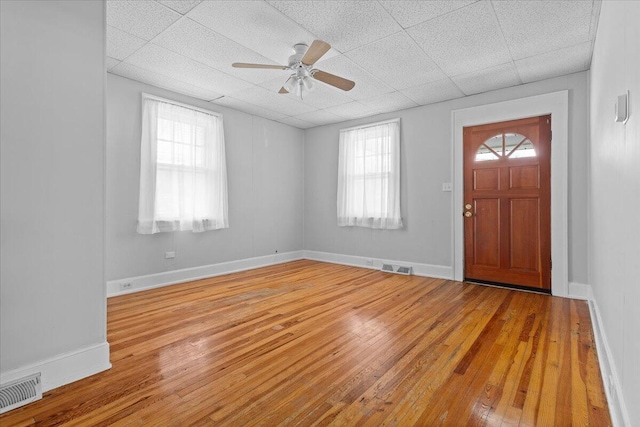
(507,202)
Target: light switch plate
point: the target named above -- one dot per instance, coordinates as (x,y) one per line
(446,186)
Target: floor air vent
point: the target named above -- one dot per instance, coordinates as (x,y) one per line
(397,269)
(20,392)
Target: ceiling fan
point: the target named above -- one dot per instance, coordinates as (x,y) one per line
(301,63)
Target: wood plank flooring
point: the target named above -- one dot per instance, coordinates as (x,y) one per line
(315,344)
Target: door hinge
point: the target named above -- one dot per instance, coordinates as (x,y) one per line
(550,135)
(550,264)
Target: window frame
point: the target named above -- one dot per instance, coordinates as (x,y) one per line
(160,224)
(390,176)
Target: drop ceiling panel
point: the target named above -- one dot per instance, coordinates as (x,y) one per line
(320,117)
(180,6)
(144,19)
(135,73)
(295,122)
(269,99)
(557,63)
(256,25)
(249,108)
(121,44)
(111,62)
(389,102)
(399,53)
(491,78)
(178,67)
(465,40)
(433,92)
(343,24)
(410,13)
(398,61)
(201,44)
(533,27)
(352,110)
(366,85)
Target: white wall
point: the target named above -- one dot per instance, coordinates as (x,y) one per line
(614,246)
(426,162)
(52,290)
(265,183)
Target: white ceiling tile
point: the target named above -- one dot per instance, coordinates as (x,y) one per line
(111,62)
(144,19)
(135,73)
(295,122)
(319,117)
(352,110)
(201,44)
(268,99)
(464,40)
(534,27)
(255,25)
(344,24)
(170,64)
(248,108)
(121,44)
(366,85)
(433,92)
(410,13)
(321,96)
(557,63)
(389,102)
(492,78)
(180,6)
(398,61)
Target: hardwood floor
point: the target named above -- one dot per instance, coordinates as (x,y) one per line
(309,343)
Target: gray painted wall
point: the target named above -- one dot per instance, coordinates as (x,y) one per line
(52,293)
(265,184)
(614,233)
(426,162)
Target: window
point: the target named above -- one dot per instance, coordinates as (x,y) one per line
(369,176)
(505,145)
(183,175)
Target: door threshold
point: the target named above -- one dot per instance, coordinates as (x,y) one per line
(508,286)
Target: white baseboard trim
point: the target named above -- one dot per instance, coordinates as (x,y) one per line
(427,270)
(580,291)
(65,368)
(610,378)
(173,277)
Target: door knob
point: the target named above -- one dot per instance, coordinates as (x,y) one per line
(468,214)
(468,206)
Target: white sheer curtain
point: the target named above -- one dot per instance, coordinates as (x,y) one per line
(183,173)
(369,176)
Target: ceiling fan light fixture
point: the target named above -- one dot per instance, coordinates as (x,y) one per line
(290,84)
(308,82)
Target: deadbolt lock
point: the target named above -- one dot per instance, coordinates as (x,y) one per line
(467,214)
(467,206)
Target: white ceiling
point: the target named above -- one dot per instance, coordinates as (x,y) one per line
(400,53)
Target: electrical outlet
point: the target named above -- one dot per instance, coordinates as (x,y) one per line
(125,286)
(369,263)
(446,186)
(169,255)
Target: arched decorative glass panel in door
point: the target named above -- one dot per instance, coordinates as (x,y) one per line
(505,145)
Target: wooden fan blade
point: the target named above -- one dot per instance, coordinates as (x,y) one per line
(333,80)
(283,90)
(315,52)
(269,67)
